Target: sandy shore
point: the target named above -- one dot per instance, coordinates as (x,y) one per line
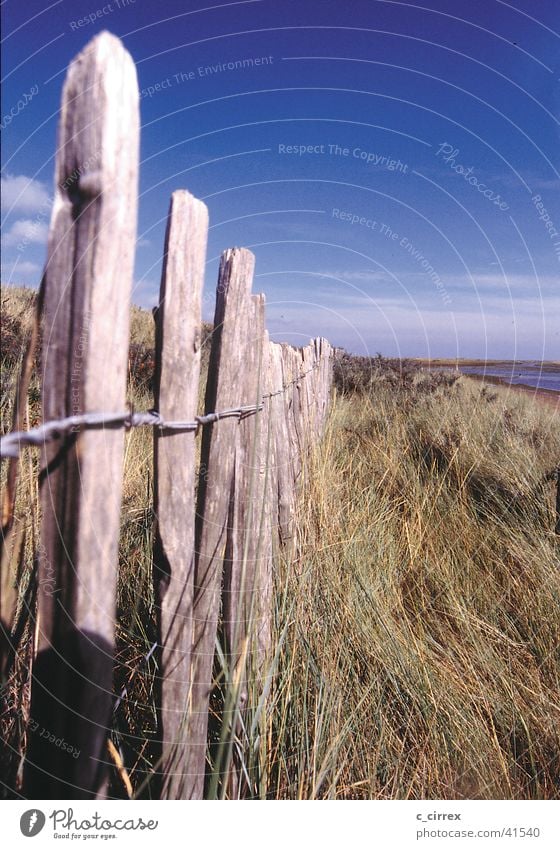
(545,396)
(544,366)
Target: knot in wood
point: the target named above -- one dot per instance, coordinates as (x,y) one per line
(85,188)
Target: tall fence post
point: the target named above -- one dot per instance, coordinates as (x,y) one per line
(267,527)
(239,566)
(299,406)
(243,550)
(291,404)
(88,282)
(283,480)
(216,480)
(322,353)
(557,526)
(178,344)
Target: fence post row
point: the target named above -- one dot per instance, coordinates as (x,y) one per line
(214,543)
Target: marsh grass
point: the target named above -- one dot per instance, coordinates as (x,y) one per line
(422,659)
(416,613)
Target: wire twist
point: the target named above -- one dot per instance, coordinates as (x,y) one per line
(12,443)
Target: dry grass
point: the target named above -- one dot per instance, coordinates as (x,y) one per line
(422,656)
(417,625)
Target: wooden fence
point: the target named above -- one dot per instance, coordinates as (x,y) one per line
(217,527)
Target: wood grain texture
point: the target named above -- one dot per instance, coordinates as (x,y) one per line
(178,343)
(299,406)
(224,390)
(88,280)
(240,586)
(240,567)
(289,373)
(283,469)
(325,371)
(266,527)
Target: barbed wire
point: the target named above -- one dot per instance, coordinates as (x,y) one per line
(12,443)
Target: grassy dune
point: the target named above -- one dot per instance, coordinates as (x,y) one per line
(427,597)
(417,614)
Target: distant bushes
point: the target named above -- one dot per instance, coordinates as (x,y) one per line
(354,375)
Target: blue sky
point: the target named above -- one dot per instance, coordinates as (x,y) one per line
(394,166)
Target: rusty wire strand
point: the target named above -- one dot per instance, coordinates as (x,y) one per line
(12,443)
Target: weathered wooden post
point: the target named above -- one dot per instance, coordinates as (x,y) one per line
(247,493)
(284,465)
(224,390)
(321,383)
(178,343)
(326,381)
(246,547)
(266,527)
(557,528)
(88,280)
(291,404)
(299,406)
(307,394)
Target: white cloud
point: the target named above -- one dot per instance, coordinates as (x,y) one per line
(21,272)
(504,282)
(356,276)
(398,328)
(25,231)
(22,194)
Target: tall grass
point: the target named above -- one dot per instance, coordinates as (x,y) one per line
(421,653)
(416,613)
